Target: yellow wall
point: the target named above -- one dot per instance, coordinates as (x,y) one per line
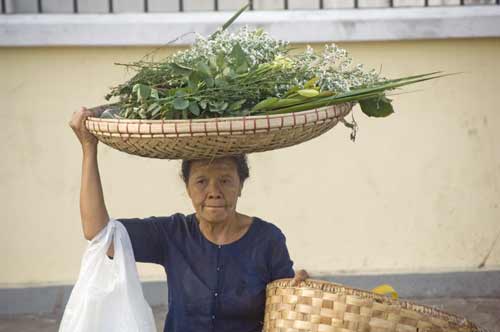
(418,191)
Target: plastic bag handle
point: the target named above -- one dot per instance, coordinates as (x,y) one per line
(125,260)
(119,256)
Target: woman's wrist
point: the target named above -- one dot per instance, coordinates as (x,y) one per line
(89,148)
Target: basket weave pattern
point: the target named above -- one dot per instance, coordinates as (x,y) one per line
(211,138)
(319,306)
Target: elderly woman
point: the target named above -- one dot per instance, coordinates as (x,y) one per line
(218,260)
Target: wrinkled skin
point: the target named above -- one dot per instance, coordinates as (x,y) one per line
(214,188)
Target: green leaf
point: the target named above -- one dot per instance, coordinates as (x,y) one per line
(154,109)
(212,63)
(180,70)
(143,91)
(377,107)
(239,57)
(292,90)
(241,112)
(243,68)
(236,105)
(218,107)
(193,80)
(203,104)
(180,93)
(220,82)
(169,115)
(180,103)
(203,69)
(142,114)
(215,109)
(209,81)
(311,83)
(193,108)
(220,60)
(228,72)
(308,93)
(154,94)
(153,106)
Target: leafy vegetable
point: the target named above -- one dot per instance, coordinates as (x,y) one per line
(248,72)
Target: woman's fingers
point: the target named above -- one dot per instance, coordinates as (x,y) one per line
(77,123)
(300,275)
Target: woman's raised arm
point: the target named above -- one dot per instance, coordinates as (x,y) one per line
(93,211)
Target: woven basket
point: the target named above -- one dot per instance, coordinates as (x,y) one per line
(320,306)
(218,137)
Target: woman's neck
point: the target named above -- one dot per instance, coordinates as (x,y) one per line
(223,232)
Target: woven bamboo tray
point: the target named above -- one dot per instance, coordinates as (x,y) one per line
(320,306)
(211,138)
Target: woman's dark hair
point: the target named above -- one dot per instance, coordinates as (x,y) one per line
(241,167)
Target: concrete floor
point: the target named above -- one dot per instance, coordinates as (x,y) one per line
(485,312)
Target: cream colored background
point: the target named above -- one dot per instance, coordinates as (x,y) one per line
(418,191)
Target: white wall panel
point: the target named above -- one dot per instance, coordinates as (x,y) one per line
(198,5)
(231,4)
(93,6)
(163,6)
(128,6)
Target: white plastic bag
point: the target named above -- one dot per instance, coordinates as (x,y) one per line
(107,296)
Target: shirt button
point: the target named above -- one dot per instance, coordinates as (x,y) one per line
(216,294)
(220,246)
(213,316)
(218,268)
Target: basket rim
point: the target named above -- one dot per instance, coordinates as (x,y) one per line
(245,125)
(333,287)
(213,120)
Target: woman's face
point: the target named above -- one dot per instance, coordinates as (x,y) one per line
(214,189)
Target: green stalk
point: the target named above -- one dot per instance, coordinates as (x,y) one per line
(394,80)
(354,95)
(320,103)
(230,21)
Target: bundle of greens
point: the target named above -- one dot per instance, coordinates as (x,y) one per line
(249,73)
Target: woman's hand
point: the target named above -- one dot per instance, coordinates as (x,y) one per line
(77,123)
(300,275)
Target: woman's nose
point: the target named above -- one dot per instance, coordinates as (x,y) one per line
(214,195)
(214,191)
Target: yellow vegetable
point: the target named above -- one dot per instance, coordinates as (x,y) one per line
(386,290)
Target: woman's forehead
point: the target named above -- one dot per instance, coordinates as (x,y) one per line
(220,164)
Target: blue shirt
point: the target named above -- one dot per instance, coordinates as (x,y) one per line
(211,287)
